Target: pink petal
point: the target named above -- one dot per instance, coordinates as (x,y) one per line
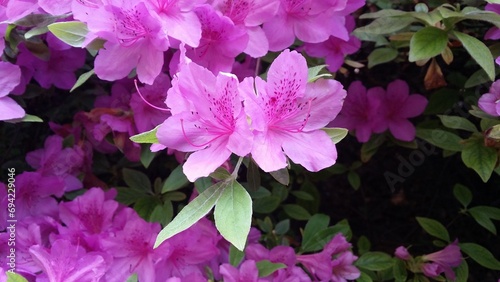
(313,150)
(279,32)
(402,129)
(316,29)
(240,142)
(257,43)
(180,132)
(115,61)
(267,152)
(185,27)
(488,102)
(287,76)
(9,109)
(203,162)
(10,77)
(149,65)
(414,106)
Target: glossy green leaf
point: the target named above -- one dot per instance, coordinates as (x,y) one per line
(296,212)
(427,43)
(266,205)
(381,55)
(441,138)
(336,133)
(148,137)
(480,158)
(233,214)
(456,122)
(235,256)
(315,224)
(479,52)
(162,214)
(313,73)
(462,194)
(434,228)
(364,278)
(399,271)
(82,79)
(194,211)
(375,261)
(72,33)
(482,219)
(136,179)
(481,255)
(176,180)
(462,272)
(267,268)
(146,155)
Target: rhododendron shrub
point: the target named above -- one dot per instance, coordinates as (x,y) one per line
(249,140)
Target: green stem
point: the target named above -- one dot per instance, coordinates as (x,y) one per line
(237,168)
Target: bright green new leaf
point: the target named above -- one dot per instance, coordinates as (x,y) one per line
(480,158)
(427,43)
(381,55)
(313,73)
(267,268)
(481,255)
(146,137)
(336,133)
(14,277)
(456,122)
(36,31)
(194,211)
(375,261)
(434,228)
(462,194)
(233,214)
(479,52)
(176,180)
(82,79)
(72,33)
(440,138)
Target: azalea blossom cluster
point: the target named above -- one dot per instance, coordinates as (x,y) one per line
(375,110)
(95,238)
(286,114)
(434,264)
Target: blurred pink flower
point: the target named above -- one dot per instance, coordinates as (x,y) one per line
(494,32)
(10,77)
(287,114)
(247,272)
(490,102)
(443,261)
(402,253)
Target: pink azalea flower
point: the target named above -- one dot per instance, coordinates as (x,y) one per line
(221,41)
(145,116)
(34,193)
(311,21)
(178,19)
(360,111)
(494,32)
(443,261)
(335,49)
(55,160)
(402,253)
(10,76)
(334,263)
(287,114)
(490,102)
(65,262)
(58,70)
(135,39)
(55,7)
(250,14)
(207,119)
(247,272)
(398,106)
(498,61)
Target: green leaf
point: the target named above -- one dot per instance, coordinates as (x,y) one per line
(26,118)
(491,212)
(253,176)
(14,277)
(316,223)
(441,138)
(146,155)
(313,73)
(381,55)
(477,78)
(38,20)
(375,261)
(267,268)
(354,180)
(235,256)
(266,205)
(364,245)
(462,272)
(176,180)
(162,214)
(146,137)
(220,174)
(385,25)
(82,79)
(456,122)
(480,158)
(296,212)
(282,227)
(194,211)
(441,101)
(314,240)
(303,195)
(146,205)
(281,176)
(483,219)
(128,195)
(336,133)
(233,214)
(462,194)
(434,228)
(399,271)
(364,278)
(383,14)
(202,183)
(136,179)
(132,278)
(481,255)
(72,33)
(369,148)
(479,52)
(259,193)
(36,31)
(427,43)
